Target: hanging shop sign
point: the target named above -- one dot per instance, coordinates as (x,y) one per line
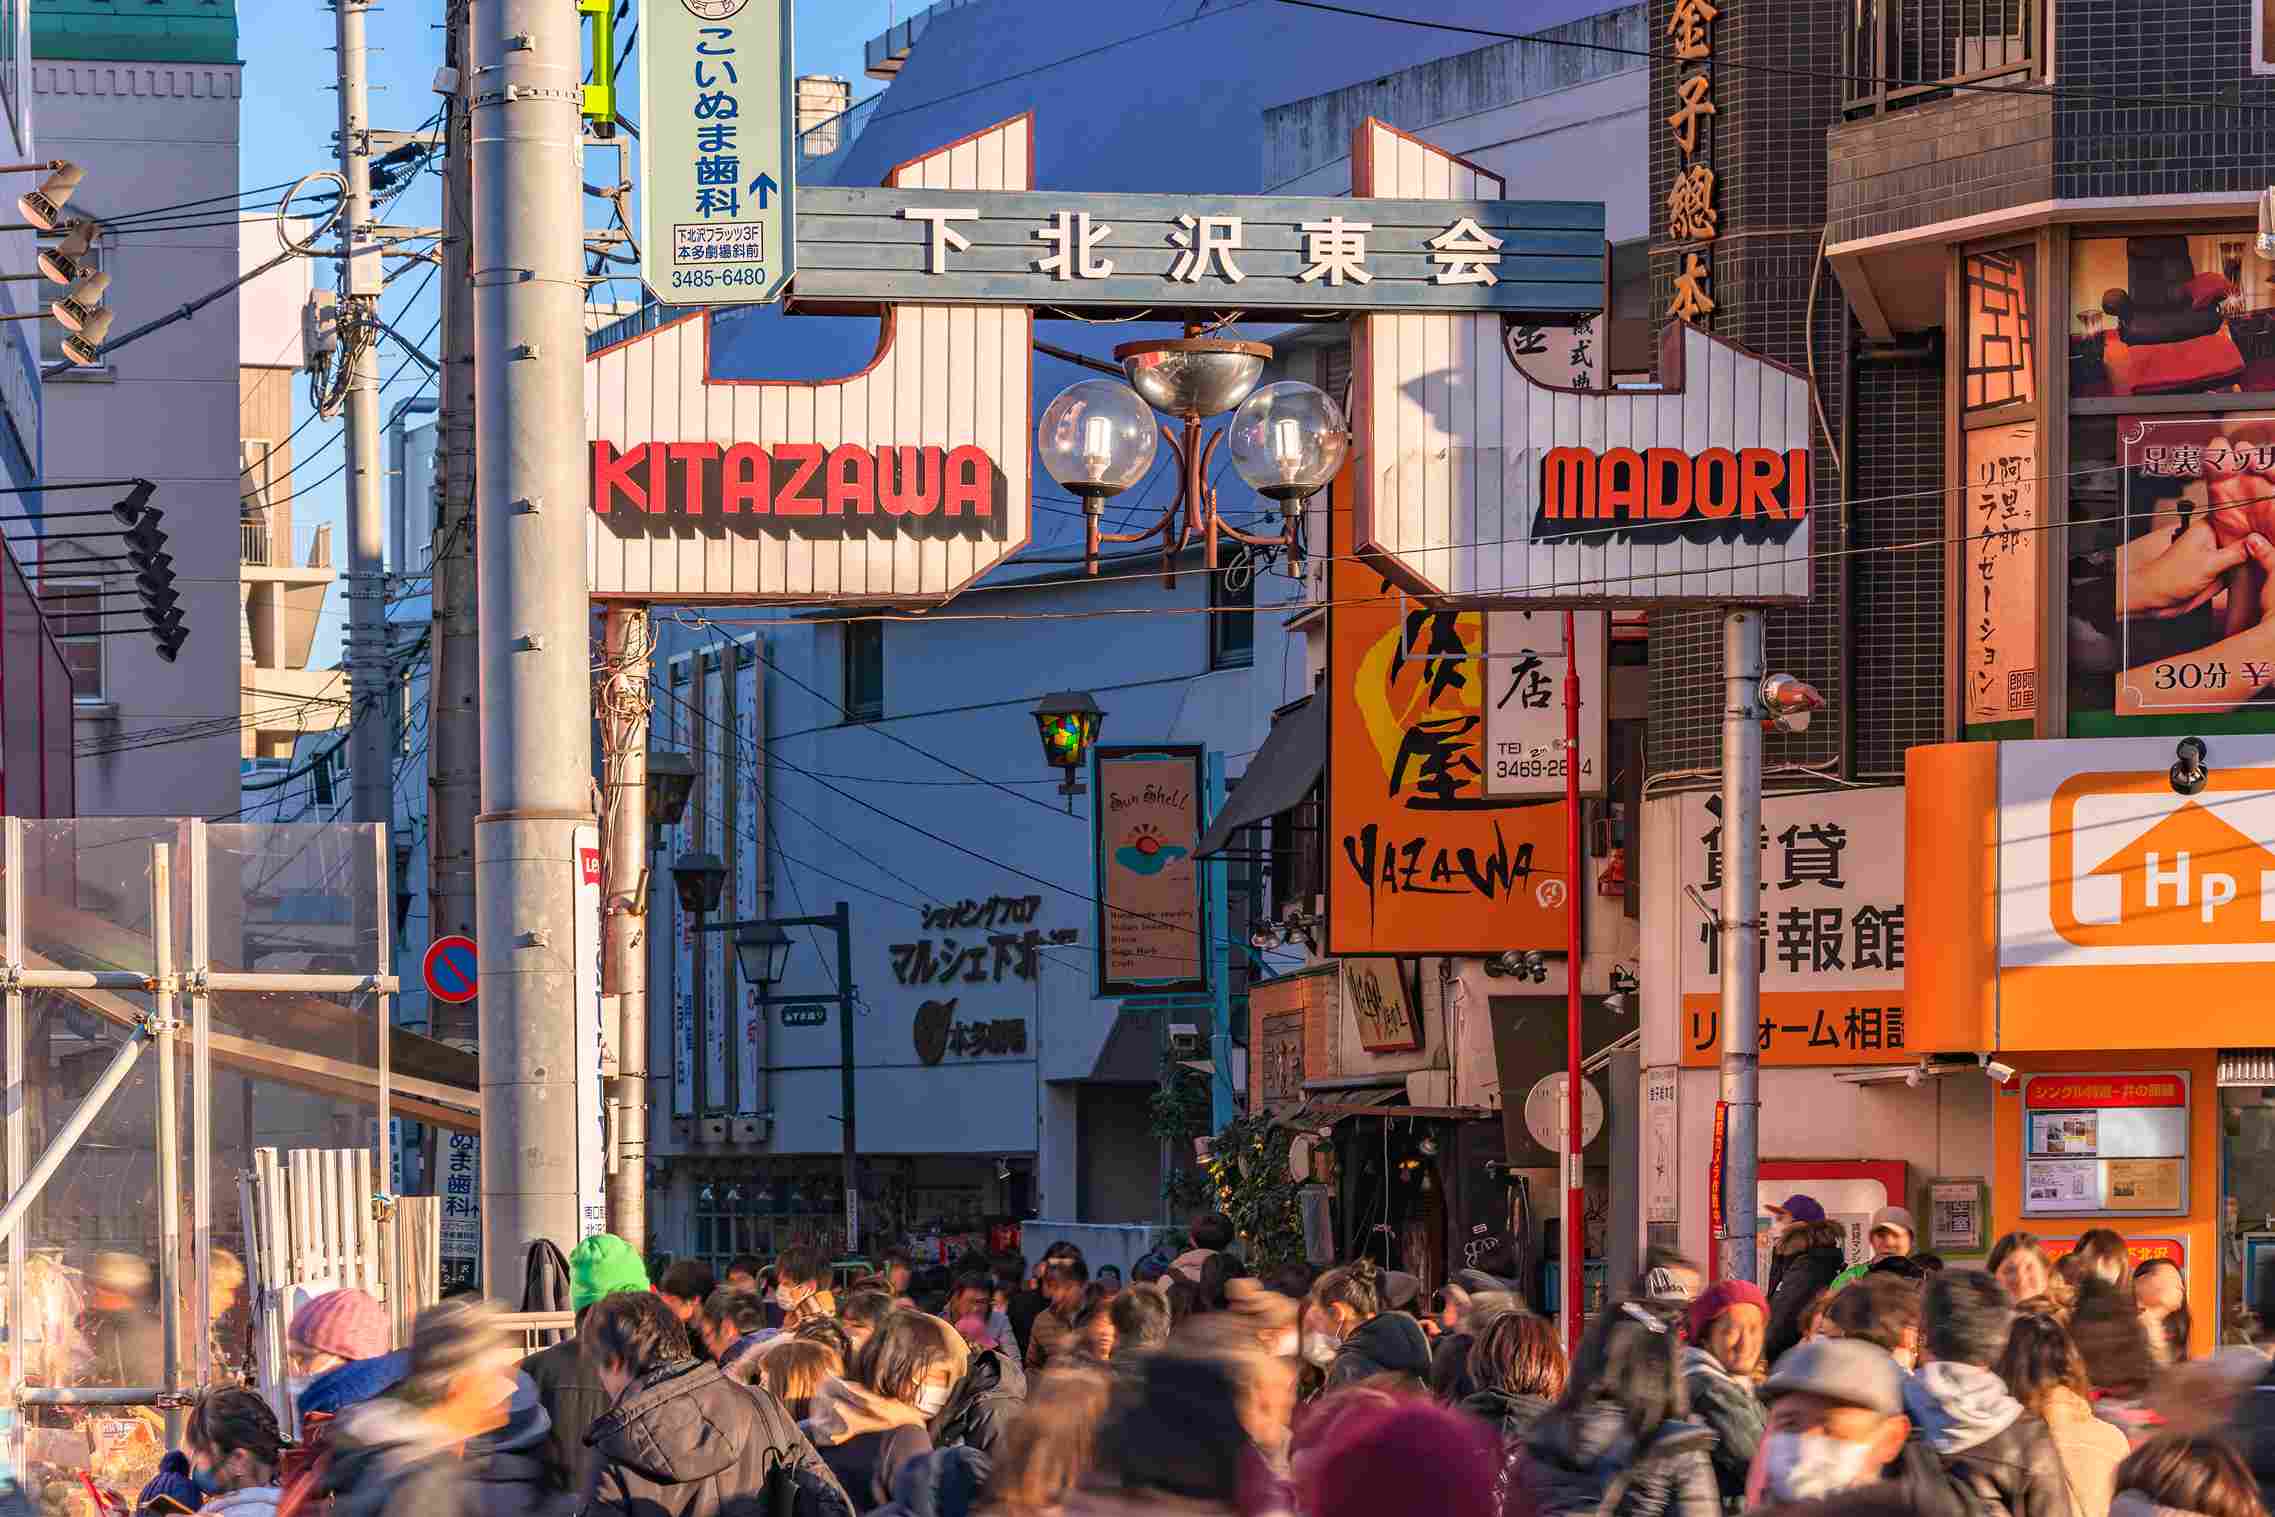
(1381,1006)
(1524,681)
(718,150)
(2105,1143)
(1694,217)
(2066,886)
(1150,937)
(1084,251)
(1477,482)
(1422,857)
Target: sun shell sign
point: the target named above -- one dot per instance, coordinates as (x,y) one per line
(1149,887)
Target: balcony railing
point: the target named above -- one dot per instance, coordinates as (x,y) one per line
(1902,52)
(252,542)
(259,544)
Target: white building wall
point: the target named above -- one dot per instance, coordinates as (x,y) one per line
(164,409)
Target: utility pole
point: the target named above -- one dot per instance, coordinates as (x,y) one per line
(454,699)
(1575,1275)
(536,707)
(370,734)
(626,641)
(1740,932)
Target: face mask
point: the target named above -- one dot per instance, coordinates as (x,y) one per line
(1288,1345)
(1806,1466)
(207,1483)
(931,1398)
(788,1299)
(1320,1349)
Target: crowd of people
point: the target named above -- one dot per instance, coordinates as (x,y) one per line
(996,1387)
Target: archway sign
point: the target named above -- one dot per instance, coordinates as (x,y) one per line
(907,481)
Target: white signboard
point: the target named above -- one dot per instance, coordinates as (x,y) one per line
(460,1187)
(1832,938)
(592,1041)
(1524,696)
(1662,1153)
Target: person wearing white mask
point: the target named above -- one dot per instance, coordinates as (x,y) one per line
(1836,1422)
(872,1422)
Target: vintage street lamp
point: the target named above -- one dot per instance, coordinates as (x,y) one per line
(1288,439)
(700,879)
(763,951)
(671,780)
(1068,722)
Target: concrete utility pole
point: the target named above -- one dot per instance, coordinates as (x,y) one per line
(626,641)
(454,689)
(536,708)
(1740,932)
(371,734)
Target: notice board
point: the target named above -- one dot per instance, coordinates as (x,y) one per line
(2095,1143)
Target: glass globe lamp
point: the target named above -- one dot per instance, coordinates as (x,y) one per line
(1288,440)
(1096,438)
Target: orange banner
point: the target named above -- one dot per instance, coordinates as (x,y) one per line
(1420,859)
(2105,1090)
(1808,1027)
(2138,1251)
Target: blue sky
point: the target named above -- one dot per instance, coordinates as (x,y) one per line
(289,112)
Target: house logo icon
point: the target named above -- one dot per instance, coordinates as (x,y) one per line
(2136,866)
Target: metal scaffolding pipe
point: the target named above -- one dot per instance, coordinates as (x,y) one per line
(169,1136)
(67,1136)
(371,984)
(97,1395)
(83,979)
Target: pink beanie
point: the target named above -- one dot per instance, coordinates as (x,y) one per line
(1400,1455)
(343,1322)
(1719,1298)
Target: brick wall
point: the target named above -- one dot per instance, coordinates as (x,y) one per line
(1896,699)
(1938,161)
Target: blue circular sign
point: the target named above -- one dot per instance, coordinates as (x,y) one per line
(450,969)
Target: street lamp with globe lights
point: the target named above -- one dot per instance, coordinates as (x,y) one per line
(1096,438)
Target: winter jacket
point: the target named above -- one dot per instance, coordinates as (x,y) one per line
(943,1483)
(1511,1414)
(1730,1409)
(1391,1343)
(387,1459)
(1588,1462)
(2002,1457)
(1917,1481)
(573,1398)
(866,1439)
(1024,1307)
(2252,1431)
(354,1383)
(1449,1367)
(1795,1280)
(984,1404)
(2090,1449)
(1047,1338)
(686,1441)
(508,1472)
(254,1501)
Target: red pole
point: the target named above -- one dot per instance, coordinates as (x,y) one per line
(1575,1202)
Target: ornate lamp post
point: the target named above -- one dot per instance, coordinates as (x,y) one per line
(1068,721)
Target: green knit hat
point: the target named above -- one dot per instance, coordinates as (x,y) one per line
(603,1265)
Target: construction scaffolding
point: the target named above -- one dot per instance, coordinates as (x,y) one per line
(262,953)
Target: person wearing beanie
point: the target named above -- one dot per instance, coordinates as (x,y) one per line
(569,1388)
(1400,1456)
(341,1354)
(1726,1325)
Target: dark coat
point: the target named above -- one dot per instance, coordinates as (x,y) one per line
(944,1483)
(573,1398)
(1391,1343)
(1795,1280)
(2014,1472)
(1588,1462)
(1512,1415)
(2252,1431)
(385,1461)
(984,1404)
(1730,1410)
(686,1441)
(868,1464)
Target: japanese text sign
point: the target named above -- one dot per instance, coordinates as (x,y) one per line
(1422,857)
(1524,682)
(718,150)
(2105,1143)
(1999,573)
(1076,251)
(1694,216)
(1832,929)
(1149,887)
(1375,991)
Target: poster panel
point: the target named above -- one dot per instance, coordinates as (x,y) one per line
(2000,574)
(1149,885)
(2166,313)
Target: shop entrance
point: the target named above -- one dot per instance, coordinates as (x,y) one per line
(2247,1194)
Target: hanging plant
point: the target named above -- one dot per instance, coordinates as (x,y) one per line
(1248,1168)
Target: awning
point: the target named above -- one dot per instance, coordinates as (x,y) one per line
(1278,777)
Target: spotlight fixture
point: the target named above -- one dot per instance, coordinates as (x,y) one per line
(43,207)
(1511,964)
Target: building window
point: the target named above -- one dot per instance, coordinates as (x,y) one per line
(864,695)
(74,610)
(1232,610)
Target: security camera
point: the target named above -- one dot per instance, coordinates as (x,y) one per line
(2191,768)
(2002,1073)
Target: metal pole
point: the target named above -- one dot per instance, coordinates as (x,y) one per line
(384,1007)
(20,1337)
(201,1099)
(536,707)
(625,639)
(169,1133)
(1740,931)
(1575,1197)
(1223,1104)
(841,923)
(454,684)
(74,1128)
(369,734)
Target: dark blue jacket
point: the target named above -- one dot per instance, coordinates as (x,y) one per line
(355,1382)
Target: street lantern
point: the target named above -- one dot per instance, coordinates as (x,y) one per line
(1068,721)
(1288,439)
(671,779)
(700,879)
(763,951)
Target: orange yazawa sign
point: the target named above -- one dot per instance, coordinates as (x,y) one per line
(1420,858)
(2068,888)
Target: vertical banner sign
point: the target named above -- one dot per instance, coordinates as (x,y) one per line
(1694,213)
(718,150)
(592,1039)
(461,1193)
(2001,558)
(1149,886)
(750,873)
(1524,688)
(2196,487)
(1662,1150)
(1422,856)
(713,953)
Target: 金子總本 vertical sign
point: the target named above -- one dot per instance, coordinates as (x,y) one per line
(718,150)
